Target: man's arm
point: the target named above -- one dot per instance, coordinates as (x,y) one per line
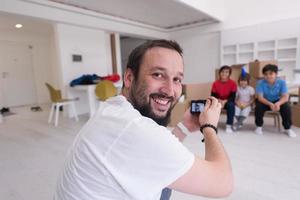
(212,176)
(190,123)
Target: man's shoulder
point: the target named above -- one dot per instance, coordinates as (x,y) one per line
(116,108)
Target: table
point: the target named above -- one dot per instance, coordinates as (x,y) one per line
(91,96)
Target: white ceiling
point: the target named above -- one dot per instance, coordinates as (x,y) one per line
(8,22)
(166,14)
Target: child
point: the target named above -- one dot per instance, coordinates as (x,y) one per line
(224,89)
(272,94)
(244,99)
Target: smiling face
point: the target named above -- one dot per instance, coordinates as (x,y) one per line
(224,75)
(243,83)
(158,86)
(270,76)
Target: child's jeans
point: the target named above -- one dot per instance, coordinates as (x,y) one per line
(242,112)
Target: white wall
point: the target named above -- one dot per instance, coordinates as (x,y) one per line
(41,55)
(200,53)
(260,32)
(92,45)
(251,12)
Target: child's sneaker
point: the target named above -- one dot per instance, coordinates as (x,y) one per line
(237,126)
(229,129)
(258,130)
(290,133)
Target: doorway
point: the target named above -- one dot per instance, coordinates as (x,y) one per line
(127,44)
(17,86)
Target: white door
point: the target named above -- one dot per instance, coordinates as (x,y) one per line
(16,75)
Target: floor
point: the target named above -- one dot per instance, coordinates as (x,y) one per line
(266,167)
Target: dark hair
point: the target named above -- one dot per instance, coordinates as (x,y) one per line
(137,55)
(224,68)
(245,77)
(271,68)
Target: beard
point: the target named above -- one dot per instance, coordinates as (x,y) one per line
(139,100)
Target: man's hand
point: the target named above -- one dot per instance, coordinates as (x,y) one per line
(211,113)
(190,121)
(223,102)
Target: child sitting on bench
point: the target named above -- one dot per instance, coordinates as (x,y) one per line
(244,99)
(272,94)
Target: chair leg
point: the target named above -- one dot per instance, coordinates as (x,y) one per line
(278,123)
(275,120)
(74,111)
(57,113)
(51,113)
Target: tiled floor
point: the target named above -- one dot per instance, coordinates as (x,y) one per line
(266,167)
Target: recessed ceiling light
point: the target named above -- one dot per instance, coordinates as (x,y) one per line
(18,25)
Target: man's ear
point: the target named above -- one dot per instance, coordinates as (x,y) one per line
(128,78)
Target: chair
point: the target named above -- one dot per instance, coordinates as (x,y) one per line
(272,114)
(105,89)
(276,117)
(58,102)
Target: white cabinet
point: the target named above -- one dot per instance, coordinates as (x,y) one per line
(285,51)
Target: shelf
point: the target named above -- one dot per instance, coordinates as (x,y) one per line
(282,43)
(246,47)
(288,48)
(266,44)
(229,59)
(229,49)
(245,52)
(286,60)
(286,53)
(263,50)
(266,55)
(229,53)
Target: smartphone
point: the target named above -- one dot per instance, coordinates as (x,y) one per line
(197,106)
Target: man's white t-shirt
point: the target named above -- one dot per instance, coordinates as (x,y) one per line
(120,154)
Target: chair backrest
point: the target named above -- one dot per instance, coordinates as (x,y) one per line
(105,89)
(55,95)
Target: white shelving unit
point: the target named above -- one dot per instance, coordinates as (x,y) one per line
(245,53)
(286,56)
(266,50)
(285,51)
(229,54)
